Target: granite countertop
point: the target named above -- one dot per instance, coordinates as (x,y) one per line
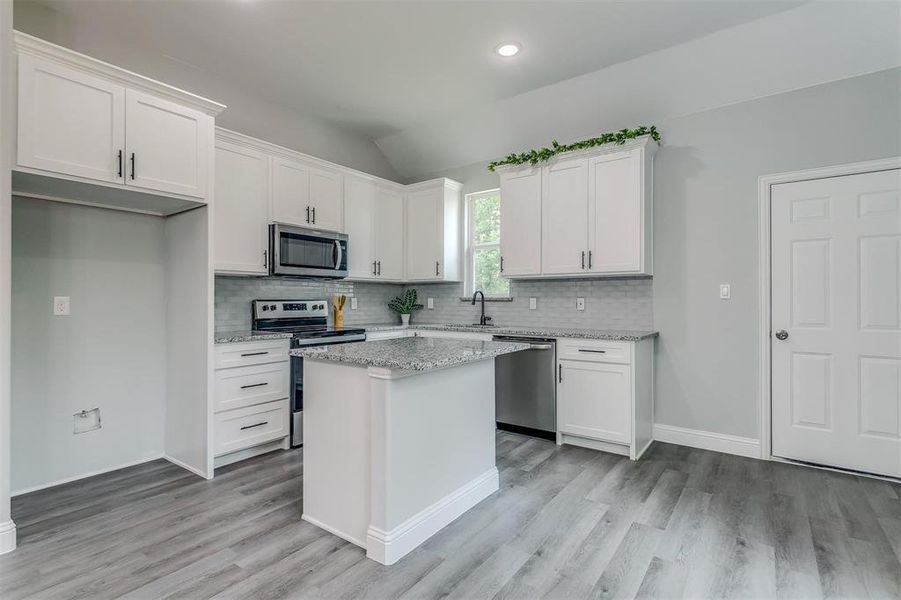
(412,353)
(620,335)
(231,337)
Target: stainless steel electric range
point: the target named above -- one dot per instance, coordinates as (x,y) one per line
(307,320)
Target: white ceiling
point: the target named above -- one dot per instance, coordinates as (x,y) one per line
(378,68)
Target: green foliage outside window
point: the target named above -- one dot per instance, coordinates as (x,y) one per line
(486,256)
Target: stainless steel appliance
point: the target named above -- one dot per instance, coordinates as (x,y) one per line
(307,320)
(525,388)
(307,252)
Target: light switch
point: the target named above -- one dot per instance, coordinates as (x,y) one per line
(353,304)
(725,291)
(60,305)
(533,303)
(580,303)
(430,303)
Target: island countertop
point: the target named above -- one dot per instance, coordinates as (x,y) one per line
(412,353)
(619,335)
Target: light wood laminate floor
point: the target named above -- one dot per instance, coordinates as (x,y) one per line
(566,523)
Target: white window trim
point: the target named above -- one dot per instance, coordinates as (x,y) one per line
(471,247)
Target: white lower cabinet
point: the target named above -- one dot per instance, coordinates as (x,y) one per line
(605,395)
(251,412)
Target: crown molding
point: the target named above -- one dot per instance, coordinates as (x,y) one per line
(28,44)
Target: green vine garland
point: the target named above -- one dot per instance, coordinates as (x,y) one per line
(533,157)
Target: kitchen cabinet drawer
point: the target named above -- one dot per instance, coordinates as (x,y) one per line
(247,386)
(243,354)
(246,427)
(595,351)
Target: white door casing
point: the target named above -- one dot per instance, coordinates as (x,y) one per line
(836,292)
(70,122)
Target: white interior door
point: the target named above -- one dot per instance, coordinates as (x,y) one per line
(168,145)
(564,217)
(836,301)
(69,121)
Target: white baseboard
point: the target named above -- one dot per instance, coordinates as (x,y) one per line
(575,440)
(708,440)
(7,537)
(332,530)
(51,484)
(387,547)
(227,459)
(186,466)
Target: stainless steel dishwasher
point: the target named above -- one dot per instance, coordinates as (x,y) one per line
(525,387)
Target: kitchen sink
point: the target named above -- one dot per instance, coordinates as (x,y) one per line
(480,325)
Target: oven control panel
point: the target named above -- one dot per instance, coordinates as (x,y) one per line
(289,309)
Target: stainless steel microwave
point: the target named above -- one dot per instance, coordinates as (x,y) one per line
(300,252)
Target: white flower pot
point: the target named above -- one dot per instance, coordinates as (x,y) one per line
(405,319)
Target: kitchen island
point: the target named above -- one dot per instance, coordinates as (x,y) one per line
(398,438)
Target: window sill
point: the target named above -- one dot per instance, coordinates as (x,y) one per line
(489,299)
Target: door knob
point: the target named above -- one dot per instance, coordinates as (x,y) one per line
(782,334)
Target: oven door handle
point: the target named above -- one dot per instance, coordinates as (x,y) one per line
(339,254)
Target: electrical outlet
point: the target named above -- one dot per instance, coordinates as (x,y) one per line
(353,304)
(580,303)
(533,303)
(725,291)
(430,303)
(60,305)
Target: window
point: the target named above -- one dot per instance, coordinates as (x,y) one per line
(483,271)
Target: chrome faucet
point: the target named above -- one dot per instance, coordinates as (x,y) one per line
(483,320)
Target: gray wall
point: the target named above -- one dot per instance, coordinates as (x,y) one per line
(705,230)
(609,304)
(109,353)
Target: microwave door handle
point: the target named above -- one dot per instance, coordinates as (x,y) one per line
(339,254)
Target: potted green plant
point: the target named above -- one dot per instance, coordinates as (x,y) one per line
(404,305)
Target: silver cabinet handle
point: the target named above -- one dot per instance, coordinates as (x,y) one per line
(373,268)
(254,385)
(265,259)
(589,259)
(583,259)
(593,351)
(314,215)
(308,214)
(437,271)
(560,373)
(255,353)
(380,267)
(782,335)
(502,264)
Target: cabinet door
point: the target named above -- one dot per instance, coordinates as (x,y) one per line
(594,400)
(389,238)
(616,219)
(241,192)
(70,122)
(359,224)
(521,222)
(564,218)
(325,199)
(168,146)
(291,192)
(425,235)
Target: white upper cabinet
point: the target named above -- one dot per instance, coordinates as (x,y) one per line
(564,217)
(306,196)
(70,122)
(241,237)
(326,206)
(521,222)
(617,213)
(359,225)
(291,192)
(433,231)
(91,132)
(167,145)
(389,238)
(591,213)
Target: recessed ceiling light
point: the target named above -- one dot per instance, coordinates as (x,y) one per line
(507,49)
